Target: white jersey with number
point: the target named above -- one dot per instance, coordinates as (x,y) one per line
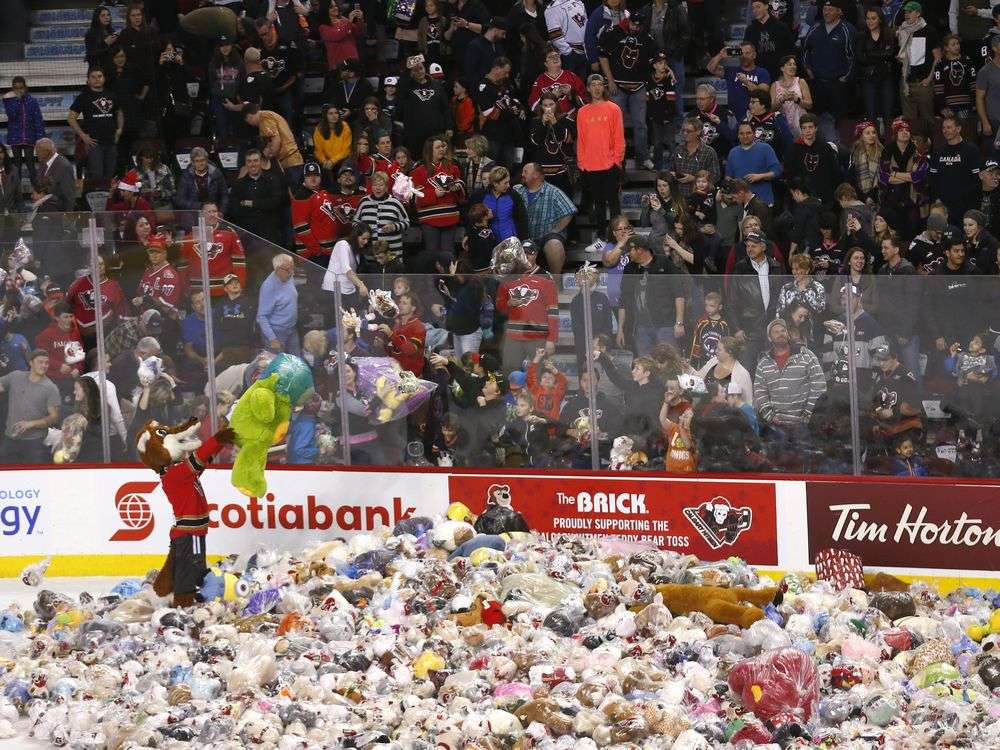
(567,22)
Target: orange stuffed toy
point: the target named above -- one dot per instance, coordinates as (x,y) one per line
(736,606)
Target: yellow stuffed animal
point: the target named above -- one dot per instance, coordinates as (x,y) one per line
(391,398)
(978,632)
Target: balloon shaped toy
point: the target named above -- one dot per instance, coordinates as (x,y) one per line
(260,418)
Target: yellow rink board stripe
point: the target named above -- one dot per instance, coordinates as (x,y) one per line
(139,565)
(90,565)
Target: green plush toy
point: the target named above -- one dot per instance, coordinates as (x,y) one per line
(260,419)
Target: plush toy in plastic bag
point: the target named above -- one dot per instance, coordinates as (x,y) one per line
(20,256)
(403,188)
(394,392)
(509,257)
(499,516)
(779,686)
(261,416)
(220,584)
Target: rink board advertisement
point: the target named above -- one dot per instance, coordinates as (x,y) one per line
(907,525)
(705,518)
(116,520)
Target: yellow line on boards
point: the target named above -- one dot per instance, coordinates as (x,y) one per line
(89,565)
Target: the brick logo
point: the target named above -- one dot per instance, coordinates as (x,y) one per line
(135,511)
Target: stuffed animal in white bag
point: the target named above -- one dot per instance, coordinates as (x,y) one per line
(403,188)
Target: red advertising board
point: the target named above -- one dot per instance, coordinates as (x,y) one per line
(907,525)
(712,520)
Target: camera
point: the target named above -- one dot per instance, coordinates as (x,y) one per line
(733,49)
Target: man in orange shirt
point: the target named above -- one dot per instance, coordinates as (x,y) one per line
(600,152)
(274,128)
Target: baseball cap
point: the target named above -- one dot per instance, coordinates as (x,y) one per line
(347,168)
(660,56)
(436,71)
(594,77)
(882,352)
(991,163)
(35,353)
(517,378)
(229,277)
(391,81)
(312,167)
(913,5)
(152,321)
(224,39)
(937,223)
(776,322)
(756,237)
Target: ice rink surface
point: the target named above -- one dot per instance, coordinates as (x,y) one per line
(12,590)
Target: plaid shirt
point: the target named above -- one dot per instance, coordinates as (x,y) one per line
(122,337)
(545,208)
(686,163)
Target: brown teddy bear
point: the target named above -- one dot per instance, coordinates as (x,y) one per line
(723,605)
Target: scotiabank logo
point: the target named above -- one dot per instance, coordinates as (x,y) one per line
(265,513)
(135,511)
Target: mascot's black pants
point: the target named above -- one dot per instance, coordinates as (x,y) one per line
(189,567)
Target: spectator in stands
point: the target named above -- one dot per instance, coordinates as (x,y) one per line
(331,141)
(829,53)
(161,287)
(256,198)
(919,51)
(100,37)
(530,303)
(600,153)
(342,269)
(896,407)
(200,183)
(423,104)
(693,156)
(653,298)
(24,124)
(59,171)
(753,296)
(277,307)
(81,299)
(275,132)
(281,59)
(10,190)
(120,447)
(313,228)
(877,68)
(32,407)
(812,160)
(157,178)
(225,253)
(552,134)
(724,367)
(225,72)
(124,370)
(755,163)
(565,85)
(501,115)
(484,49)
(743,80)
(549,213)
(643,395)
(103,123)
(234,315)
(131,94)
(988,90)
(626,52)
(140,43)
(47,229)
(61,333)
(340,35)
(440,180)
(954,171)
(386,216)
(669,27)
(791,94)
(174,106)
(772,39)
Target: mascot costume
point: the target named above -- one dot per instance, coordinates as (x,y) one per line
(179,457)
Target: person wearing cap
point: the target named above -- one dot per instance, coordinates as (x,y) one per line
(233,316)
(281,59)
(742,80)
(32,407)
(347,88)
(989,203)
(482,51)
(787,383)
(868,336)
(980,244)
(661,108)
(926,250)
(161,286)
(313,230)
(653,300)
(344,201)
(390,100)
(919,51)
(225,255)
(340,35)
(424,108)
(625,54)
(126,196)
(753,295)
(669,27)
(901,176)
(954,171)
(829,53)
(600,153)
(895,403)
(988,85)
(61,333)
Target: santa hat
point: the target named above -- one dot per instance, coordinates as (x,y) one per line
(130,183)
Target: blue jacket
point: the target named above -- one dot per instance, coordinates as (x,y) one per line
(302,447)
(186,197)
(757,159)
(278,307)
(510,217)
(25,124)
(830,55)
(600,20)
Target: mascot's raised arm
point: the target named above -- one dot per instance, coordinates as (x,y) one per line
(178,457)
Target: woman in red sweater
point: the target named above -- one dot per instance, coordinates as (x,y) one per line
(340,36)
(440,180)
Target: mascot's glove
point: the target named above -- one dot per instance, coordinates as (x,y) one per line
(226,436)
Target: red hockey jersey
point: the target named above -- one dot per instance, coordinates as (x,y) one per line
(314,224)
(438,212)
(531,305)
(384,164)
(182,486)
(342,208)
(407,344)
(225,256)
(568,89)
(53,340)
(165,285)
(81,299)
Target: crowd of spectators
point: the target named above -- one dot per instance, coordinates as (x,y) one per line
(851,166)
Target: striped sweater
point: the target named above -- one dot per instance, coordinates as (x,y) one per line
(377,212)
(438,212)
(787,395)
